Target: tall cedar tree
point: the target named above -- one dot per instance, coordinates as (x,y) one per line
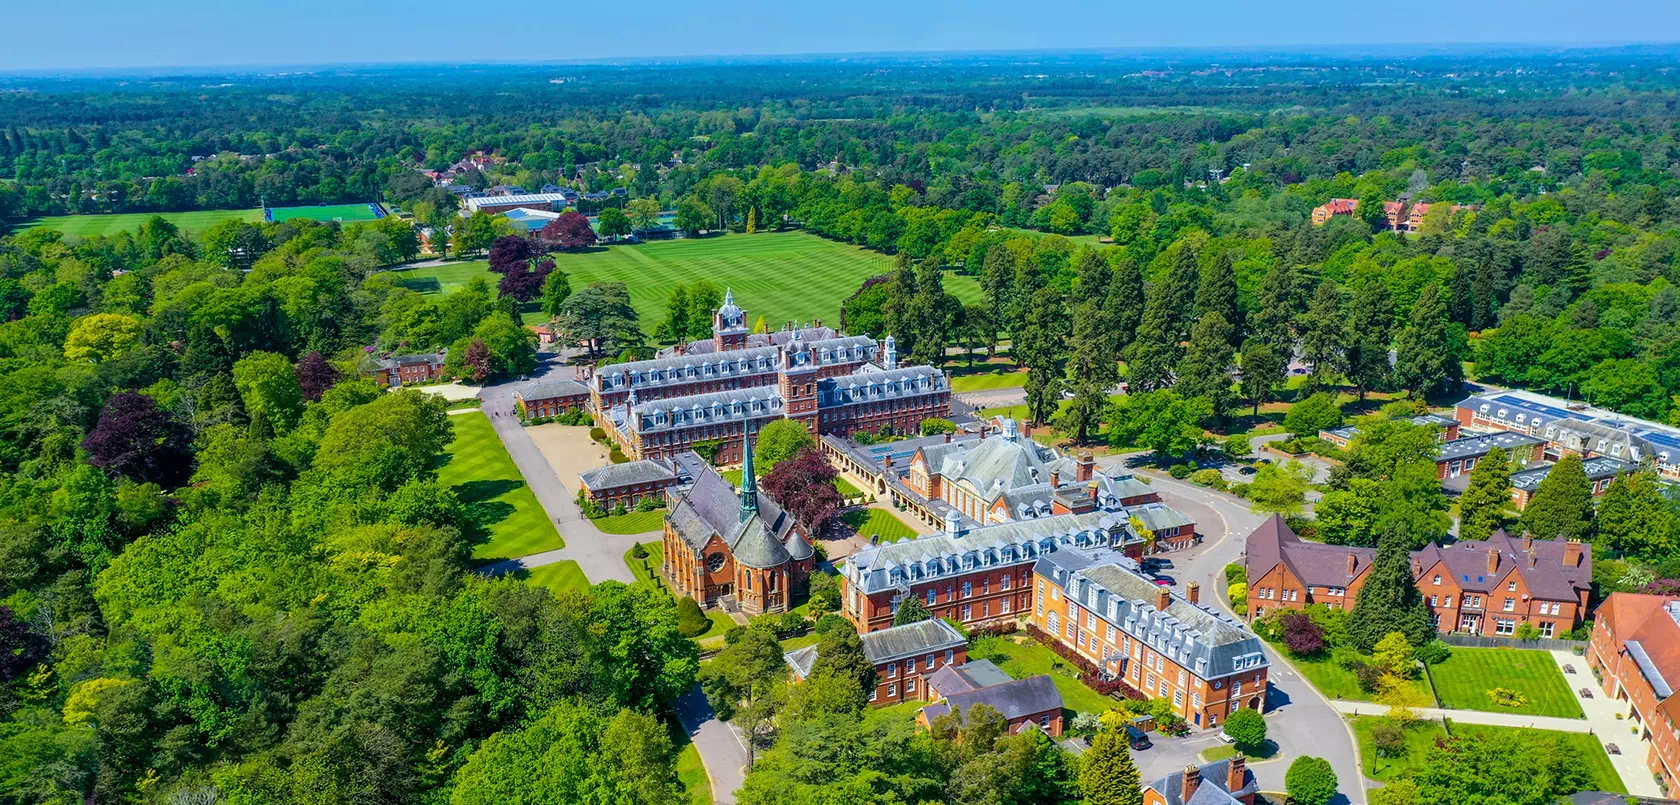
(1205,371)
(898,312)
(1562,506)
(1262,368)
(1107,775)
(1091,276)
(1324,334)
(1370,324)
(136,439)
(1426,354)
(997,280)
(1389,601)
(314,375)
(1179,289)
(1155,353)
(1092,371)
(1482,506)
(804,486)
(1042,345)
(1029,281)
(936,314)
(1635,519)
(1216,292)
(1123,306)
(1273,321)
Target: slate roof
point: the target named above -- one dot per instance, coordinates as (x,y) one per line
(393,361)
(972,675)
(1597,468)
(1547,577)
(1579,427)
(473,204)
(900,564)
(1211,791)
(1196,636)
(631,472)
(1157,517)
(711,507)
(678,369)
(871,384)
(1478,446)
(552,389)
(758,402)
(911,640)
(1313,563)
(1017,698)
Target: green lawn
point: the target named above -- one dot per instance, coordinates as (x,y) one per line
(90,225)
(996,376)
(558,577)
(1336,682)
(1464,679)
(324,212)
(632,523)
(1421,736)
(655,560)
(871,522)
(1027,658)
(496,497)
(777,275)
(692,773)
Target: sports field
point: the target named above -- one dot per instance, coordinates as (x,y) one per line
(326,212)
(777,275)
(84,226)
(496,498)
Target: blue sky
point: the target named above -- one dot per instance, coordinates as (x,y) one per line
(152,33)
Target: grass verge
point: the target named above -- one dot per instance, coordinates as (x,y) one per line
(502,508)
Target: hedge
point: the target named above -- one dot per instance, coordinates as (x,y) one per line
(1089,674)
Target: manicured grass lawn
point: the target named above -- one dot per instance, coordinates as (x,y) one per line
(632,523)
(655,560)
(692,773)
(799,642)
(329,212)
(90,225)
(777,275)
(558,577)
(871,522)
(1026,658)
(1336,682)
(497,500)
(1421,736)
(986,378)
(1464,679)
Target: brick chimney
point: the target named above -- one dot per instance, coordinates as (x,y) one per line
(1235,773)
(1163,598)
(1493,560)
(1087,467)
(947,437)
(1055,478)
(1572,554)
(886,461)
(1528,542)
(1193,591)
(1352,564)
(1026,430)
(1192,781)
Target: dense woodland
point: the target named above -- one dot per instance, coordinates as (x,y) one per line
(228,574)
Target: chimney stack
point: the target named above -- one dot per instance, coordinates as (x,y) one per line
(1572,554)
(1528,542)
(1493,560)
(1236,773)
(947,437)
(1087,467)
(1163,598)
(886,461)
(1055,478)
(1192,781)
(1026,430)
(1193,591)
(1352,564)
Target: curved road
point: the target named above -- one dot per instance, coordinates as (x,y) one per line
(1299,718)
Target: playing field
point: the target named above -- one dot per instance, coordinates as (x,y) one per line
(84,226)
(496,498)
(777,275)
(325,212)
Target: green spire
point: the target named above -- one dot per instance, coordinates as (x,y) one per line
(749,484)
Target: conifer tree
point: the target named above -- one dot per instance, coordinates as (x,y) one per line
(1369,320)
(1389,601)
(1123,306)
(1107,775)
(1324,333)
(997,281)
(1092,371)
(1154,355)
(1426,356)
(1091,276)
(1634,519)
(1488,492)
(1205,371)
(898,311)
(1274,318)
(911,610)
(1178,289)
(1216,292)
(1262,368)
(1562,506)
(1042,345)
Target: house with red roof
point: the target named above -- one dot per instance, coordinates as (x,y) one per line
(1635,655)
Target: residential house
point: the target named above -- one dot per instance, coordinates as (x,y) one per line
(1635,655)
(1322,214)
(1224,782)
(404,370)
(551,398)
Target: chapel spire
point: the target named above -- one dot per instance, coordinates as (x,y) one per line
(749,484)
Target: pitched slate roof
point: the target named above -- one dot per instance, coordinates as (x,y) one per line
(911,640)
(758,402)
(972,675)
(628,473)
(1313,563)
(1597,468)
(1211,790)
(551,389)
(899,564)
(1540,564)
(1017,698)
(711,508)
(871,384)
(676,369)
(1477,446)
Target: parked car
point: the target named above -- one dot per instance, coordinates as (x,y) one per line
(1226,737)
(1163,581)
(1138,739)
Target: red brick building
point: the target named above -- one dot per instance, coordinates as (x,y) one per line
(628,484)
(404,370)
(1322,214)
(1484,587)
(1207,663)
(1224,782)
(905,657)
(1635,655)
(1031,703)
(1574,428)
(551,398)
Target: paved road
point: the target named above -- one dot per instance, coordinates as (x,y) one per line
(599,554)
(1301,721)
(720,746)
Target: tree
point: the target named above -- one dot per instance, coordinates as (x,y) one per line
(556,288)
(1261,368)
(1301,635)
(600,317)
(1389,602)
(1107,775)
(676,326)
(1216,292)
(1487,493)
(1324,335)
(613,222)
(1562,506)
(804,486)
(1394,655)
(497,347)
(1369,321)
(570,231)
(101,337)
(136,439)
(571,754)
(511,251)
(273,399)
(523,268)
(1123,306)
(1426,352)
(1205,371)
(474,234)
(933,426)
(1319,412)
(1247,729)
(314,375)
(780,440)
(911,610)
(1310,781)
(20,646)
(1280,489)
(1154,354)
(1634,519)
(693,216)
(1522,768)
(643,212)
(1041,344)
(1349,516)
(1160,421)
